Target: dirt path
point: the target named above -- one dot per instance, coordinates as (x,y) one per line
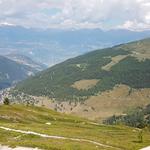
(58,137)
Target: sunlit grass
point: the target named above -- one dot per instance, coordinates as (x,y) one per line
(35,119)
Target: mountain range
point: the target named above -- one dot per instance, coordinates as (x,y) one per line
(51,46)
(24,60)
(16,68)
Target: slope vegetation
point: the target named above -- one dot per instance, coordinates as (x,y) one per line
(29,126)
(126,64)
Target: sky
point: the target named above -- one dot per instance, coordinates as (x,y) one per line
(77,14)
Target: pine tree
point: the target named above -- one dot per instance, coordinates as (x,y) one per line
(6,101)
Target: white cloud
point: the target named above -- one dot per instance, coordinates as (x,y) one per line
(130,14)
(135,26)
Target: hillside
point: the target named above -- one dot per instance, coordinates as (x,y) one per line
(11,72)
(106,81)
(109,67)
(22,59)
(29,126)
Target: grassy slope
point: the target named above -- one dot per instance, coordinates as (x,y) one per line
(34,119)
(57,81)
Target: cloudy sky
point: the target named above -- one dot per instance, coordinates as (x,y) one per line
(75,14)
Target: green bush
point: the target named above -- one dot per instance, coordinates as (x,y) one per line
(6,101)
(135,118)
